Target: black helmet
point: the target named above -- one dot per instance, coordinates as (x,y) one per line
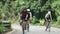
(24,8)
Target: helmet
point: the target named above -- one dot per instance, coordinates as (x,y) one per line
(24,8)
(49,12)
(28,10)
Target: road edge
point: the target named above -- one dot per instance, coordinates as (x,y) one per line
(10,32)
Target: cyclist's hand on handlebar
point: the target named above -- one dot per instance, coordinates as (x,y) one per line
(30,18)
(25,18)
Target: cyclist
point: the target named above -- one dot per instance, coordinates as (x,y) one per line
(48,19)
(29,17)
(29,14)
(25,15)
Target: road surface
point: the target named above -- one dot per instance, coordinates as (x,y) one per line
(34,30)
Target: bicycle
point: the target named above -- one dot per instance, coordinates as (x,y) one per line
(47,25)
(25,26)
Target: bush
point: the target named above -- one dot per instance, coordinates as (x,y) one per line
(41,21)
(33,20)
(58,20)
(56,23)
(2,29)
(6,24)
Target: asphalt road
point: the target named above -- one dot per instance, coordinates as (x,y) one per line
(34,30)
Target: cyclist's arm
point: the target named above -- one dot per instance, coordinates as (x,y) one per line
(26,17)
(30,16)
(50,17)
(46,18)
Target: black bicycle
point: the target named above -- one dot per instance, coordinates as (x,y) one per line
(25,26)
(48,25)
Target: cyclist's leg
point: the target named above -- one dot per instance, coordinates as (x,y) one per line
(49,26)
(28,25)
(28,21)
(46,25)
(46,28)
(23,25)
(21,20)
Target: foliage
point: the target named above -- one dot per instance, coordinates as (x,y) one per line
(2,28)
(10,10)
